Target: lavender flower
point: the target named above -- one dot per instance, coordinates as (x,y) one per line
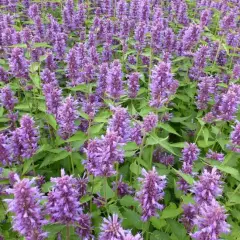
(18,64)
(215,155)
(39,27)
(103,153)
(190,153)
(84,229)
(129,236)
(205,17)
(114,80)
(151,193)
(73,66)
(50,62)
(111,228)
(208,187)
(121,9)
(60,45)
(122,188)
(136,134)
(5,153)
(236,72)
(162,85)
(189,213)
(53,97)
(102,83)
(91,105)
(28,137)
(211,222)
(49,77)
(235,138)
(191,37)
(3,75)
(81,185)
(28,216)
(140,34)
(63,205)
(67,114)
(228,21)
(33,11)
(133,84)
(7,98)
(150,122)
(163,157)
(228,103)
(206,87)
(120,123)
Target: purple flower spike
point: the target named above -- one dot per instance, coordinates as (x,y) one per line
(208,187)
(114,80)
(162,85)
(26,137)
(133,84)
(189,213)
(63,203)
(5,151)
(3,75)
(28,216)
(7,98)
(136,134)
(215,155)
(211,222)
(151,193)
(120,123)
(190,153)
(111,228)
(84,230)
(18,64)
(150,122)
(66,116)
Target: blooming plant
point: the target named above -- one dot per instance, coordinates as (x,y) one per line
(119,120)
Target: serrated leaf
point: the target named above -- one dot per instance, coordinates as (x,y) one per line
(157,222)
(85,199)
(78,136)
(186,177)
(168,128)
(128,201)
(50,159)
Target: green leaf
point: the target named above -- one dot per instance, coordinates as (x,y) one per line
(46,187)
(178,229)
(19,45)
(128,201)
(186,177)
(96,128)
(34,67)
(158,223)
(78,136)
(26,165)
(168,128)
(135,168)
(41,44)
(131,219)
(232,171)
(157,235)
(107,191)
(50,119)
(36,79)
(53,229)
(85,199)
(171,213)
(52,158)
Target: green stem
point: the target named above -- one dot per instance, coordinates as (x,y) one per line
(71,158)
(68,233)
(141,152)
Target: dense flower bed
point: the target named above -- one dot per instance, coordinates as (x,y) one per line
(119,119)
